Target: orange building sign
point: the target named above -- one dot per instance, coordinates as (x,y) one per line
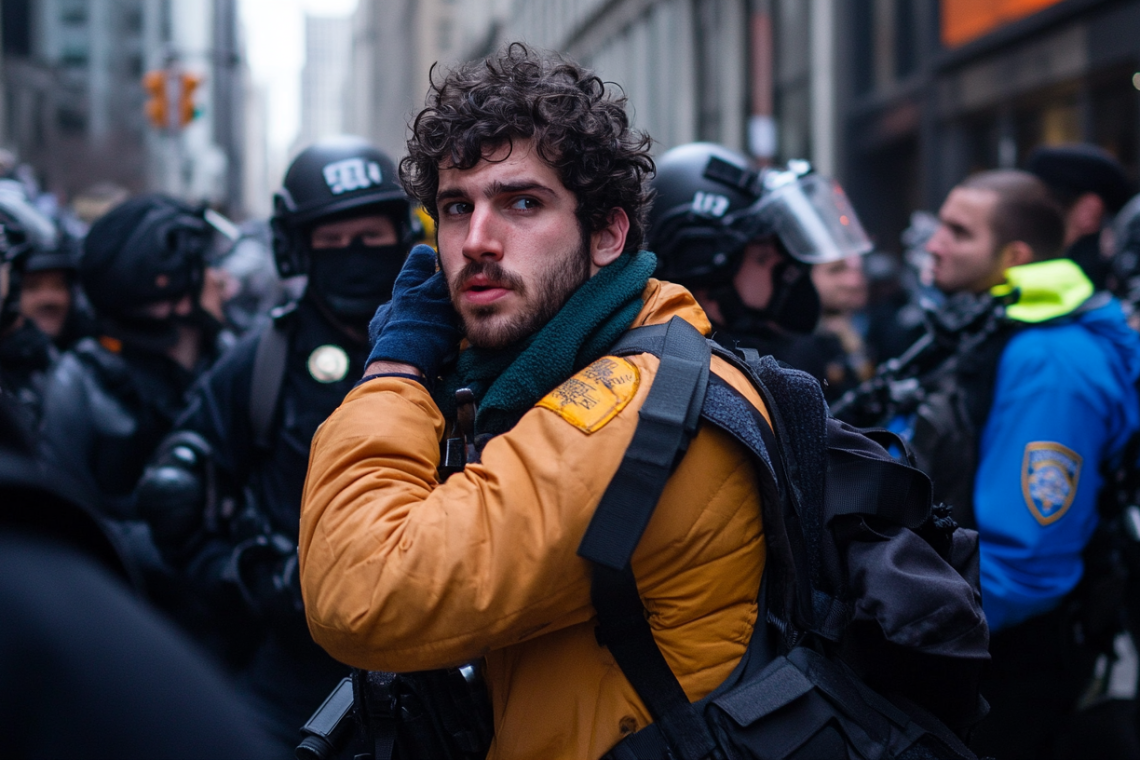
(966,20)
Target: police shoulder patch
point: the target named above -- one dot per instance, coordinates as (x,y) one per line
(1049,476)
(595,395)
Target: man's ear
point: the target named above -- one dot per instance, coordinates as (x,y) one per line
(607,243)
(1015,254)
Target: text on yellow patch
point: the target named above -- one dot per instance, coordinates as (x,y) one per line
(595,395)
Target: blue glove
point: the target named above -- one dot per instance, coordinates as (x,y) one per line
(418,326)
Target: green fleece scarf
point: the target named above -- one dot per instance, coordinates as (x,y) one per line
(509,381)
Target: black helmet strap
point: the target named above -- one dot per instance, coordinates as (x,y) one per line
(736,177)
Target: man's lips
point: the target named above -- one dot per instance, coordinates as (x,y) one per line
(482,290)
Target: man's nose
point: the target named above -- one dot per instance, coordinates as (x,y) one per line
(184,306)
(484,238)
(937,242)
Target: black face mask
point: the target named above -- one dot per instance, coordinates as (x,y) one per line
(354,280)
(793,307)
(150,335)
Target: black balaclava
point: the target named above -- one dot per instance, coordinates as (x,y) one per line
(147,250)
(352,281)
(793,307)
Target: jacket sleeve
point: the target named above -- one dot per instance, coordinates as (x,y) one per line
(401,572)
(217,411)
(218,408)
(67,430)
(1038,475)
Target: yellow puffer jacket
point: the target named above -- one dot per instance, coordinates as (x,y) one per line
(401,572)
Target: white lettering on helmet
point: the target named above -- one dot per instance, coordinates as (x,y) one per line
(710,204)
(351,174)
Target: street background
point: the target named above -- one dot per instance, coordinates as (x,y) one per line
(899,99)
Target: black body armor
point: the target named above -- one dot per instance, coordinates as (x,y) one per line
(238,495)
(26,355)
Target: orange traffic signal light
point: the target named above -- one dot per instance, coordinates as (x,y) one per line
(157,109)
(163,87)
(187,111)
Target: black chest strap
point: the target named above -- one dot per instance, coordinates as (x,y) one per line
(267,379)
(667,421)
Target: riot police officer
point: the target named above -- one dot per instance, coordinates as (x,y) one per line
(26,352)
(744,243)
(223,494)
(1018,404)
(112,399)
(48,293)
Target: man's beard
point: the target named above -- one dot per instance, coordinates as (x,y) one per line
(538,307)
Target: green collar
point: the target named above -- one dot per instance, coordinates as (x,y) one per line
(1047,290)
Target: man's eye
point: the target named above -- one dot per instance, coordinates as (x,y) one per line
(524,204)
(456,208)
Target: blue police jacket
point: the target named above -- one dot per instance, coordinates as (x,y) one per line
(1064,402)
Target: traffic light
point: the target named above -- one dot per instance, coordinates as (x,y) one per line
(157,109)
(168,89)
(187,110)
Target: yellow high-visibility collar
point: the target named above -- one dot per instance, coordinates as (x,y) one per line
(1047,290)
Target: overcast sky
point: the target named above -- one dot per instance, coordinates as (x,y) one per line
(275,40)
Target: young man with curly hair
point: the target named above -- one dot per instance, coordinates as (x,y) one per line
(537,183)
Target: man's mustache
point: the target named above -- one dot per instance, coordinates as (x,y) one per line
(491,270)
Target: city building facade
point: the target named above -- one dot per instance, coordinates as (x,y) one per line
(938,89)
(324,78)
(74,103)
(394,45)
(899,99)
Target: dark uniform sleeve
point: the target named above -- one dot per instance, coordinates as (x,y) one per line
(67,427)
(218,408)
(191,491)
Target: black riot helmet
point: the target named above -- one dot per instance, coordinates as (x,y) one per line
(330,179)
(146,250)
(63,256)
(709,204)
(24,234)
(690,203)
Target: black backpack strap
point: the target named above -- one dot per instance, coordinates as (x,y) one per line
(375,702)
(667,421)
(268,377)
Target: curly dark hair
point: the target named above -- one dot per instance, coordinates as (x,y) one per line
(518,93)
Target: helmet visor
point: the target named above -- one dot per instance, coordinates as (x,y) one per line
(812,218)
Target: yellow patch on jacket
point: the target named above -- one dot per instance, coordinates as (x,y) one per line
(595,395)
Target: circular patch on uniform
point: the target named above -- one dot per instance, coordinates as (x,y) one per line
(328,364)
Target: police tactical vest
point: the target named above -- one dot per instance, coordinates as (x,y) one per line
(948,422)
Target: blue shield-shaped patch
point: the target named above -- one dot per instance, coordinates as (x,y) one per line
(1049,475)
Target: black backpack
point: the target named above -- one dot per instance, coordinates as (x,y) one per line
(870,639)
